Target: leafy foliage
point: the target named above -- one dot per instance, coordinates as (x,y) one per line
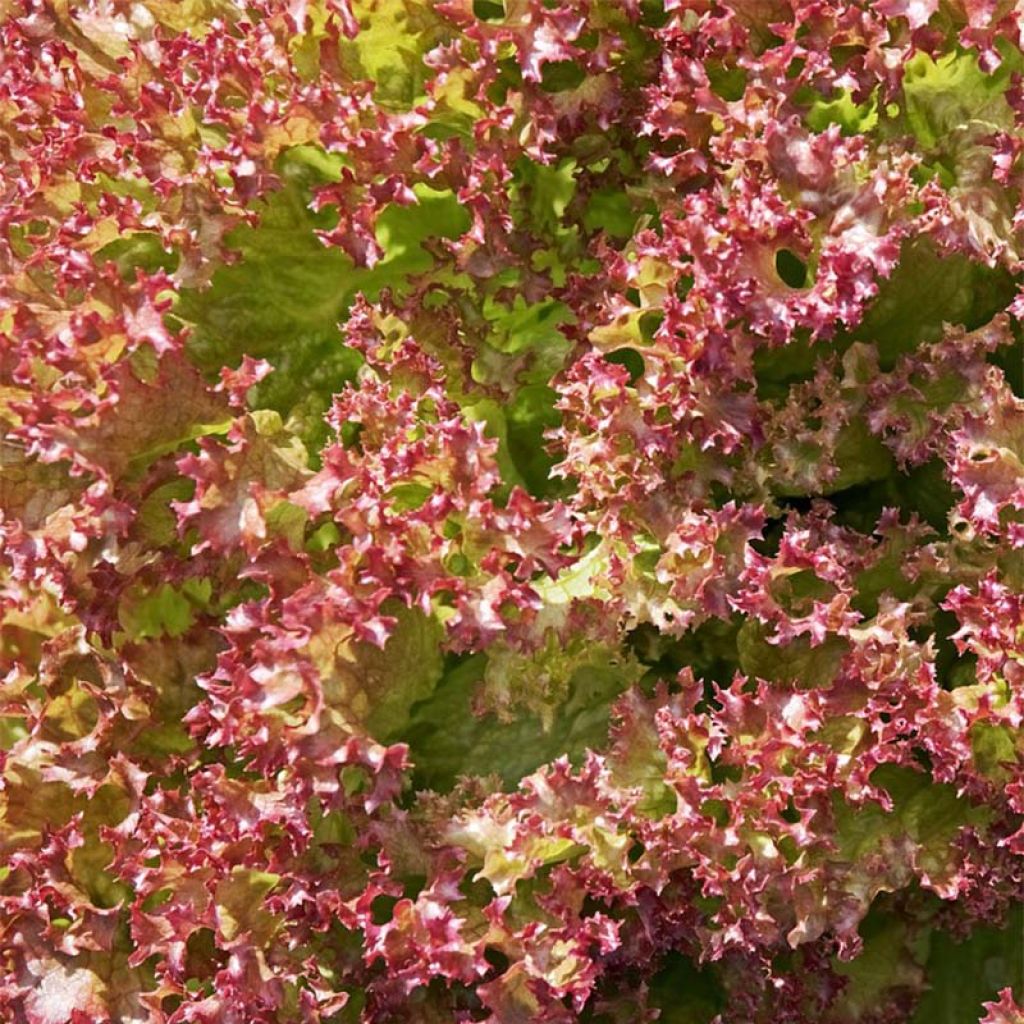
(511,512)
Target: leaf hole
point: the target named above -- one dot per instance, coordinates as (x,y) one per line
(382,909)
(489,10)
(791,268)
(649,324)
(497,959)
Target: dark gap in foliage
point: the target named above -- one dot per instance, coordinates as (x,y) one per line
(923,758)
(709,650)
(683,991)
(592,905)
(791,268)
(630,359)
(719,494)
(489,10)
(790,812)
(496,958)
(922,489)
(1010,359)
(478,891)
(413,885)
(562,76)
(350,433)
(771,537)
(202,953)
(799,503)
(382,908)
(653,13)
(952,669)
(425,1002)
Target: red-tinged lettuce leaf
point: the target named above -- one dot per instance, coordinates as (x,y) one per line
(32,490)
(401,675)
(1004,1010)
(240,485)
(151,407)
(99,987)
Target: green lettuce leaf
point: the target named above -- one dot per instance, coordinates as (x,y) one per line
(288,295)
(944,95)
(393,37)
(925,291)
(889,965)
(447,739)
(963,975)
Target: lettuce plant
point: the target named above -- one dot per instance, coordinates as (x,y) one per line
(511,511)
